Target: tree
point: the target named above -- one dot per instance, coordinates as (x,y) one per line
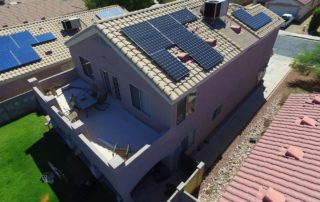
(130,5)
(315,21)
(308,62)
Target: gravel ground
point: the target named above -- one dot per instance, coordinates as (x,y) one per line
(223,172)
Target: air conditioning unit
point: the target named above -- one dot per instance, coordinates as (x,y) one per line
(215,8)
(71,24)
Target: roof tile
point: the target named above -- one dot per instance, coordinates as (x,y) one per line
(297,179)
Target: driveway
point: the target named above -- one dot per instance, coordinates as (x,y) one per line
(290,44)
(287,46)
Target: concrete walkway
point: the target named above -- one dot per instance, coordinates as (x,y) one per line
(277,69)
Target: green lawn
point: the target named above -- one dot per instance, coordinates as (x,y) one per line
(26,147)
(19,174)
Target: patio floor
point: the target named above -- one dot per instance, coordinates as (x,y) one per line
(115,125)
(112,126)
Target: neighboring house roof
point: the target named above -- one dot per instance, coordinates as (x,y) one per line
(227,46)
(304,2)
(32,10)
(286,162)
(60,53)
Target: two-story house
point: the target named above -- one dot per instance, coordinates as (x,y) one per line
(154,83)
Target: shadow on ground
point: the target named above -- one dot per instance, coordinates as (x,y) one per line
(306,85)
(77,184)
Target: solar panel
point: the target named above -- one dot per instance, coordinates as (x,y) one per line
(6,43)
(156,35)
(44,38)
(183,16)
(24,38)
(8,61)
(254,22)
(26,55)
(170,65)
(147,37)
(199,50)
(106,14)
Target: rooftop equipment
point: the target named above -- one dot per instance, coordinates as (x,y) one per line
(213,9)
(71,24)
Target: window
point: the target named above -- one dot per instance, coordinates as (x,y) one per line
(139,100)
(116,88)
(86,67)
(216,112)
(186,107)
(191,138)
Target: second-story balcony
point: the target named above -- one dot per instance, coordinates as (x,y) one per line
(108,128)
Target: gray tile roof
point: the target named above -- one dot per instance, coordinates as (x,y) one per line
(60,53)
(225,45)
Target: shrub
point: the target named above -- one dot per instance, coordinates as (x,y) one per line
(308,62)
(315,21)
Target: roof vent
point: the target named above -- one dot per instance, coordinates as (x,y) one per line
(49,52)
(236,28)
(294,152)
(314,100)
(183,57)
(212,42)
(306,120)
(271,195)
(213,9)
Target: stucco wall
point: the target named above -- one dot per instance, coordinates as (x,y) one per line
(103,57)
(227,88)
(20,84)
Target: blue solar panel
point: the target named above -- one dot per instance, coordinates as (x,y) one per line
(16,49)
(6,43)
(24,38)
(170,65)
(44,38)
(183,16)
(8,61)
(254,22)
(147,37)
(199,50)
(106,14)
(26,55)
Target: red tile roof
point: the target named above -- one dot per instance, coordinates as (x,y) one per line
(295,176)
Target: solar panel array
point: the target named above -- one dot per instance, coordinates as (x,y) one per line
(155,36)
(254,22)
(147,38)
(16,49)
(170,65)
